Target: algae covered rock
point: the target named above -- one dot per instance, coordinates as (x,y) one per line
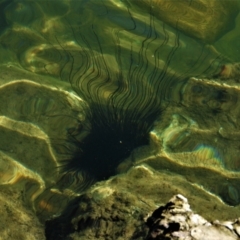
(198,136)
(17,221)
(202,19)
(37,126)
(116,208)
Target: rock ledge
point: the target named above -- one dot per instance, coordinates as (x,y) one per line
(176,220)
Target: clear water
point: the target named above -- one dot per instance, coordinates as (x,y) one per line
(91,49)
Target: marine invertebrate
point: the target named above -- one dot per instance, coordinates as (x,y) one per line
(125,97)
(127,67)
(120,121)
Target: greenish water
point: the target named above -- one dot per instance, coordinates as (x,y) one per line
(133,60)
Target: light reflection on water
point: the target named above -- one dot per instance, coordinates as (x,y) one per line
(89,44)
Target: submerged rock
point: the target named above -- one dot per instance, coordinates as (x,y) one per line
(36,125)
(198,136)
(17,221)
(116,208)
(176,220)
(202,19)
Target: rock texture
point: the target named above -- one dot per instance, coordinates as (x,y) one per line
(116,208)
(17,220)
(176,221)
(36,125)
(202,19)
(92,45)
(198,137)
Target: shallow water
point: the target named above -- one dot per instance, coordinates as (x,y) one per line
(131,56)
